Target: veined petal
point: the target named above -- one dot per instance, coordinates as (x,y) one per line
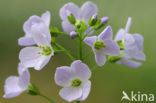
(120,35)
(46,18)
(81,70)
(24,79)
(85,90)
(21,68)
(70,93)
(111,48)
(107,34)
(41,34)
(26,40)
(90,40)
(30,57)
(100,57)
(88,9)
(12,88)
(67,27)
(30,22)
(139,41)
(69,7)
(130,63)
(63,76)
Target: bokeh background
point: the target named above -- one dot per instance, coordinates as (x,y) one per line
(109,81)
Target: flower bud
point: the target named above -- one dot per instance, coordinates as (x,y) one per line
(73,34)
(70,17)
(33,90)
(100,23)
(104,20)
(93,20)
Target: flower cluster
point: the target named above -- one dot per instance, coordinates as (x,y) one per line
(80,24)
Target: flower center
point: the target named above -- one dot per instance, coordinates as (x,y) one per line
(45,50)
(76,82)
(121,44)
(99,45)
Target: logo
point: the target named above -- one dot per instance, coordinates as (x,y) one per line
(137,97)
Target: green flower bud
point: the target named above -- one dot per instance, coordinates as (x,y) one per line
(93,20)
(98,45)
(71,17)
(33,90)
(80,26)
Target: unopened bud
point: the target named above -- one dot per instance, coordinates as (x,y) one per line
(93,20)
(70,17)
(73,34)
(33,90)
(104,20)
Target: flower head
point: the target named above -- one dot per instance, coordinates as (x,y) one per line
(39,56)
(84,13)
(74,80)
(132,47)
(33,20)
(14,85)
(103,45)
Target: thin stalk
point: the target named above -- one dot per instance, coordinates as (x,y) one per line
(80,49)
(65,51)
(50,100)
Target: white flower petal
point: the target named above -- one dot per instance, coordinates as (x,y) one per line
(12,88)
(63,76)
(128,25)
(100,57)
(85,90)
(26,40)
(120,35)
(46,18)
(90,40)
(130,63)
(81,70)
(70,94)
(67,27)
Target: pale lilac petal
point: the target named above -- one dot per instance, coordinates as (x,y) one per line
(100,57)
(63,76)
(29,56)
(111,48)
(107,34)
(46,18)
(21,68)
(120,35)
(90,40)
(90,33)
(67,27)
(139,55)
(70,7)
(24,79)
(26,40)
(70,93)
(130,63)
(85,90)
(30,22)
(88,9)
(41,34)
(11,87)
(81,70)
(139,41)
(129,42)
(128,25)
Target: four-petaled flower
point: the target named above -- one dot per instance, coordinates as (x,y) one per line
(37,57)
(82,14)
(34,20)
(132,47)
(74,80)
(103,45)
(14,85)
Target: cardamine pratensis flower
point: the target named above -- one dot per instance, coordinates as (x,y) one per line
(132,45)
(34,20)
(103,45)
(39,56)
(74,80)
(14,85)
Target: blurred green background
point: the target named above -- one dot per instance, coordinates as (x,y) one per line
(109,81)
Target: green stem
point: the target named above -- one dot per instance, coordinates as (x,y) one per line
(63,33)
(65,51)
(76,101)
(50,100)
(95,67)
(80,49)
